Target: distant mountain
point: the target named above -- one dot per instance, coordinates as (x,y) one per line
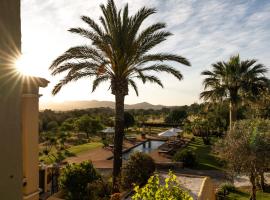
(71,105)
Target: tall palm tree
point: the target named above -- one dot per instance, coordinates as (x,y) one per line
(119,54)
(234,80)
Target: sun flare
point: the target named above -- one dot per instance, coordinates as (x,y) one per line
(23,66)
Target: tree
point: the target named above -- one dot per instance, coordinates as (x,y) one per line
(88,125)
(67,125)
(234,80)
(52,126)
(128,120)
(201,127)
(119,54)
(176,116)
(246,149)
(75,179)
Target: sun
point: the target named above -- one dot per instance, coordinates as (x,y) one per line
(25,66)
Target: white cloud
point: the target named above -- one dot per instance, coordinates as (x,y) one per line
(204,32)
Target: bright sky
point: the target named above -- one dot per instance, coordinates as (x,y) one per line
(205,31)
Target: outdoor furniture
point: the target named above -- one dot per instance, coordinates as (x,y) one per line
(165,150)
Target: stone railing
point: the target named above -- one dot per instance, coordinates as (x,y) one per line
(207,191)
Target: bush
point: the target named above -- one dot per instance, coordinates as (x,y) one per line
(75,178)
(116,196)
(224,189)
(137,170)
(105,142)
(99,189)
(154,190)
(187,157)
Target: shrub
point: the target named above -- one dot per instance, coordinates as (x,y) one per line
(137,170)
(116,196)
(154,190)
(187,157)
(224,189)
(99,189)
(105,142)
(75,178)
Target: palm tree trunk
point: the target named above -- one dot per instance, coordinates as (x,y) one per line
(233,114)
(118,140)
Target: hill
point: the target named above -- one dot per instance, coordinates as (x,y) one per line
(71,105)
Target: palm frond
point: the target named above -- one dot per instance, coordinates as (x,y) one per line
(133,84)
(70,78)
(163,68)
(138,18)
(151,79)
(93,25)
(98,80)
(164,57)
(79,52)
(118,49)
(86,33)
(149,31)
(75,67)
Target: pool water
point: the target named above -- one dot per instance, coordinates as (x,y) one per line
(146,147)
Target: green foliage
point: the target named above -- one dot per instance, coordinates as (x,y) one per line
(119,51)
(84,147)
(88,125)
(176,116)
(128,120)
(54,150)
(246,148)
(234,79)
(206,158)
(75,178)
(68,125)
(52,126)
(187,157)
(105,142)
(154,190)
(224,189)
(99,189)
(137,170)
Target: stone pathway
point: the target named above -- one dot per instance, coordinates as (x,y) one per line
(243,181)
(192,184)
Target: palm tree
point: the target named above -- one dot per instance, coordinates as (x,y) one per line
(234,80)
(119,54)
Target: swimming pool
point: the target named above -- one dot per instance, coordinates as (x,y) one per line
(145,147)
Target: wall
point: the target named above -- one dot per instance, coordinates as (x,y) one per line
(10,104)
(207,191)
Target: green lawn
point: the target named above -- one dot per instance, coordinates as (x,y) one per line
(206,159)
(240,195)
(84,147)
(74,150)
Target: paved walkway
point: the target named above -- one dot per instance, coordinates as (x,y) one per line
(217,177)
(192,184)
(243,181)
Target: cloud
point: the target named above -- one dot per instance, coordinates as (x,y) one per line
(203,31)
